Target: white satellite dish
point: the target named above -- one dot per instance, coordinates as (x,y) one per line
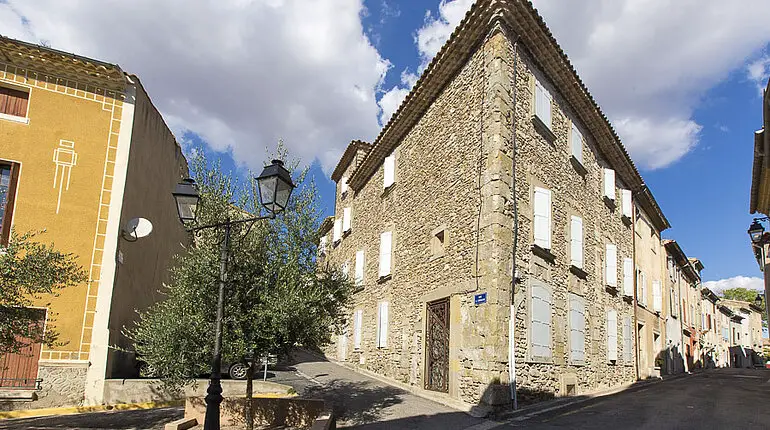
(137,228)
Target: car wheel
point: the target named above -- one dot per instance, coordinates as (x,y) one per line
(238,371)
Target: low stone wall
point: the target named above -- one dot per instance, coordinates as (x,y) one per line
(290,412)
(63,385)
(152,390)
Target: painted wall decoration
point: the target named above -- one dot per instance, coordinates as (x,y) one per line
(65,158)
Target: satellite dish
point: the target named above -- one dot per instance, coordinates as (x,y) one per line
(137,228)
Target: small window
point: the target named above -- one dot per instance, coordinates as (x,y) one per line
(626,203)
(609,184)
(13,103)
(657,296)
(438,242)
(543,104)
(337,235)
(540,324)
(359,268)
(344,186)
(576,242)
(386,249)
(542,215)
(628,342)
(347,219)
(628,277)
(612,336)
(9,177)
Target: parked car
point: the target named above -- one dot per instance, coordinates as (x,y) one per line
(239,369)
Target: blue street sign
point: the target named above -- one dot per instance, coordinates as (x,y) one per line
(480,298)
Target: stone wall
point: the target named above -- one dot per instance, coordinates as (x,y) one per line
(61,386)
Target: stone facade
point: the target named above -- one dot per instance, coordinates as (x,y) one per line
(62,385)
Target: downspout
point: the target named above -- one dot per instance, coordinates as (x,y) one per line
(635,298)
(512,316)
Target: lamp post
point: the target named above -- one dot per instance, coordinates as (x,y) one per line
(275,187)
(760,242)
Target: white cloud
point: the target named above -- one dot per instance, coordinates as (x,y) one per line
(758,71)
(240,74)
(648,63)
(392,98)
(750,283)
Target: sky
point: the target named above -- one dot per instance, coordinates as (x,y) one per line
(681,81)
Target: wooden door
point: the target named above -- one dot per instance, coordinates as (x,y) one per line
(437,346)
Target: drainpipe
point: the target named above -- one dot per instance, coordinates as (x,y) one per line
(635,298)
(512,315)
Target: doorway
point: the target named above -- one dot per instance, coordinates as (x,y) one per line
(437,346)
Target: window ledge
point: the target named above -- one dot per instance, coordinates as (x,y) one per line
(544,253)
(387,190)
(612,289)
(543,129)
(346,233)
(540,360)
(578,363)
(14,118)
(579,167)
(383,279)
(628,299)
(358,288)
(626,219)
(610,203)
(577,271)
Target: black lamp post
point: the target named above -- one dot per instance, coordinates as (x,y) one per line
(760,243)
(756,230)
(275,187)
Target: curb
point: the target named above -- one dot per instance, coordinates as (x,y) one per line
(32,413)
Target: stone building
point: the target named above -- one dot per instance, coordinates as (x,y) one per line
(748,329)
(82,152)
(489,226)
(713,349)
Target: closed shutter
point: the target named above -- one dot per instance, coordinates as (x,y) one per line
(360,268)
(337,230)
(612,335)
(542,215)
(344,185)
(345,269)
(644,288)
(13,102)
(577,323)
(628,277)
(346,219)
(657,297)
(322,245)
(576,241)
(389,168)
(543,104)
(541,322)
(577,144)
(386,242)
(611,265)
(628,341)
(627,202)
(609,184)
(382,325)
(358,321)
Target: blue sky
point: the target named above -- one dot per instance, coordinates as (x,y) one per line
(679,82)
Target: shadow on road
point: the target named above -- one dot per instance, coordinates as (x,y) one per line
(354,402)
(148,419)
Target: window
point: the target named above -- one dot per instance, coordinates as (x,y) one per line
(344,185)
(9,177)
(542,104)
(357,322)
(611,265)
(322,246)
(345,268)
(13,103)
(542,215)
(389,171)
(657,296)
(576,144)
(628,342)
(641,286)
(346,220)
(612,336)
(628,277)
(437,242)
(576,242)
(626,203)
(609,184)
(359,268)
(382,325)
(337,235)
(386,244)
(540,324)
(577,325)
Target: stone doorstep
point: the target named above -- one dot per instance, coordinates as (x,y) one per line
(181,424)
(17,395)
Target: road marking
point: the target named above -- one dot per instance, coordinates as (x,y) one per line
(309,378)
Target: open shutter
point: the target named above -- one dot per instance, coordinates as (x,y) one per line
(612,335)
(541,322)
(346,219)
(542,215)
(577,329)
(543,104)
(628,277)
(386,242)
(344,185)
(322,245)
(576,144)
(611,265)
(337,230)
(627,202)
(657,297)
(382,325)
(576,242)
(609,184)
(360,268)
(389,168)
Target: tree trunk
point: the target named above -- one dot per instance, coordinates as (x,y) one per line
(249,394)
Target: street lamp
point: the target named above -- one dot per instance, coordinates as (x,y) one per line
(275,187)
(758,300)
(756,230)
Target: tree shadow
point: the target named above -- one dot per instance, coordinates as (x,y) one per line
(356,402)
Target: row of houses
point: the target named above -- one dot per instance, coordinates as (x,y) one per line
(502,242)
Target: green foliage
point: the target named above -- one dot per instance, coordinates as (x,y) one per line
(30,272)
(275,296)
(745,295)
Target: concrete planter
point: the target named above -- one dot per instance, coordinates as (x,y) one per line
(271,412)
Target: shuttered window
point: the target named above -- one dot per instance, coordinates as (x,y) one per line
(576,241)
(357,322)
(360,268)
(657,297)
(344,185)
(543,104)
(322,245)
(542,215)
(382,325)
(386,244)
(612,335)
(346,269)
(347,219)
(13,102)
(628,277)
(609,184)
(337,230)
(389,170)
(626,203)
(577,325)
(611,265)
(628,341)
(576,144)
(9,178)
(540,336)
(641,288)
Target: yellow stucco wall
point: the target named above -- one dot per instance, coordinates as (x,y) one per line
(68,116)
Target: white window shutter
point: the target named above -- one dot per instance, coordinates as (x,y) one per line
(360,268)
(389,170)
(628,342)
(612,335)
(382,325)
(345,269)
(344,185)
(358,321)
(644,288)
(611,265)
(577,144)
(577,328)
(609,184)
(657,297)
(346,219)
(542,215)
(386,244)
(337,230)
(543,104)
(322,245)
(541,322)
(576,241)
(628,277)
(627,202)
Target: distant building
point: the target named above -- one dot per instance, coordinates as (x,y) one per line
(83,151)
